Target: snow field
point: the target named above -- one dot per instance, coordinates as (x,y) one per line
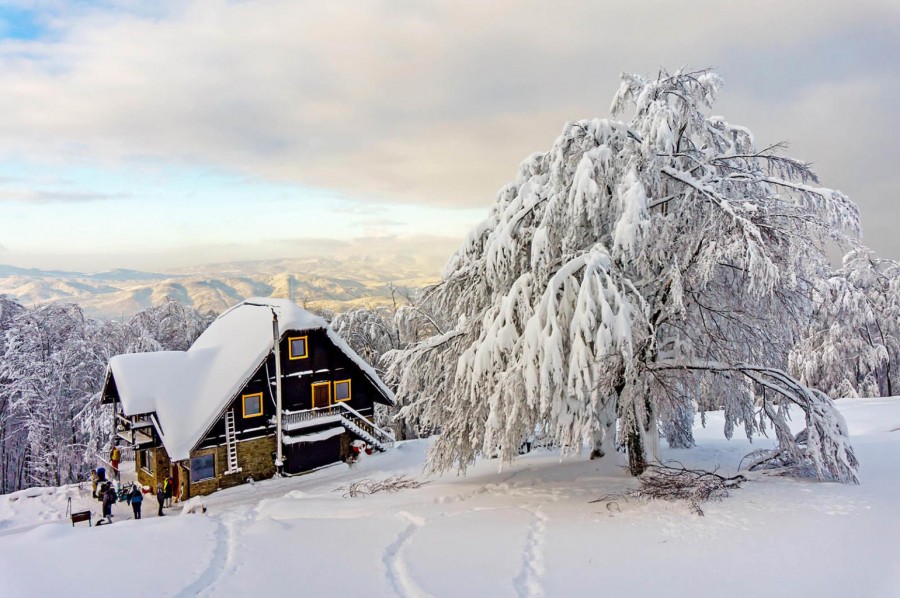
(527,530)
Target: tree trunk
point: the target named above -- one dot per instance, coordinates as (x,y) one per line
(887,376)
(634,439)
(603,437)
(637,462)
(597,443)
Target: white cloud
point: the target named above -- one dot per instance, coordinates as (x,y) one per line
(424,102)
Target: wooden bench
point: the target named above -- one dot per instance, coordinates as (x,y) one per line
(81,516)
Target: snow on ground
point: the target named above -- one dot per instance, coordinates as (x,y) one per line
(528,530)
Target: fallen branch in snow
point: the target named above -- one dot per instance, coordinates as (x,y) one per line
(672,483)
(680,483)
(391,484)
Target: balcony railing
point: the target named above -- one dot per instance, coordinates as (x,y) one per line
(345,412)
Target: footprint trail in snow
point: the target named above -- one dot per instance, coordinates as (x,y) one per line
(397,571)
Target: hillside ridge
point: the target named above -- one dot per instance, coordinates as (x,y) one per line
(333,283)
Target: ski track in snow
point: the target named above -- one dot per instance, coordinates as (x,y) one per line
(397,572)
(223,559)
(528,582)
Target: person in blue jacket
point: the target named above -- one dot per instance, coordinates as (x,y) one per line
(137,498)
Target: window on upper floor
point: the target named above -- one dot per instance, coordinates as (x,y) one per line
(341,391)
(253,405)
(298,347)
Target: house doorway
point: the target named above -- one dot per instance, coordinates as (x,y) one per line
(175,483)
(321,394)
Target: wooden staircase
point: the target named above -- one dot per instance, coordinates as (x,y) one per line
(355,422)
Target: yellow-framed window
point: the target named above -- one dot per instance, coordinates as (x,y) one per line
(252,404)
(298,347)
(321,394)
(341,391)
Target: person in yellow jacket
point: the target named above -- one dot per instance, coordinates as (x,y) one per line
(169,490)
(115,455)
(95,479)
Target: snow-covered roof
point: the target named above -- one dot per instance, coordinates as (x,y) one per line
(187,390)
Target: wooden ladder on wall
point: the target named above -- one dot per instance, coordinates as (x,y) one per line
(231,442)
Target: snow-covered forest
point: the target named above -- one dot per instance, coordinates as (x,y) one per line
(52,365)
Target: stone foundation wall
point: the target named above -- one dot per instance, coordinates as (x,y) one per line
(254,458)
(144,478)
(212,484)
(161,468)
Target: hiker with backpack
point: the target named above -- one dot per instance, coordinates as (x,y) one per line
(136,499)
(109,498)
(160,498)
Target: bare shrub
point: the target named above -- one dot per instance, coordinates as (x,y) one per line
(366,487)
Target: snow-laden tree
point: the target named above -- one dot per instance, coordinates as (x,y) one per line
(52,364)
(638,268)
(376,332)
(52,372)
(170,326)
(9,439)
(371,332)
(853,348)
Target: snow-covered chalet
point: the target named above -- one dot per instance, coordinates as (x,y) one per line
(207,416)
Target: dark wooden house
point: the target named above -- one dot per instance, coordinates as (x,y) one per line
(208,417)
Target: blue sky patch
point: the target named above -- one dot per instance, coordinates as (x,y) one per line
(16,23)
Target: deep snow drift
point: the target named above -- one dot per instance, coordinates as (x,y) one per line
(527,530)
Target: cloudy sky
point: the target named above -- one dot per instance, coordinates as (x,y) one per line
(162,134)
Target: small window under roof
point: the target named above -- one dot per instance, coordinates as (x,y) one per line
(252,405)
(298,347)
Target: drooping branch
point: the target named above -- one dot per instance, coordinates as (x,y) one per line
(825,443)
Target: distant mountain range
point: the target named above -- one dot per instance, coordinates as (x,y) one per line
(327,283)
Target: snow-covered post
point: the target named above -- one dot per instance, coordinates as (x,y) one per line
(276,339)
